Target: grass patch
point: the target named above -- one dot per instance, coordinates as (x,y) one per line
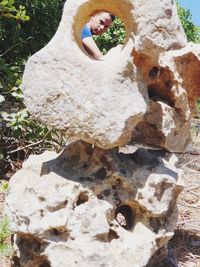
(5,233)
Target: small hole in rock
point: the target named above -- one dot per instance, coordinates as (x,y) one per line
(99,196)
(118,182)
(153,72)
(16,261)
(106,192)
(112,235)
(114,187)
(155,224)
(82,198)
(124,216)
(101,174)
(168,13)
(55,231)
(41,198)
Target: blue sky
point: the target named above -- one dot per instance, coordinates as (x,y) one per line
(194,6)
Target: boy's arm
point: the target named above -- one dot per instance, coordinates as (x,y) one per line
(91,47)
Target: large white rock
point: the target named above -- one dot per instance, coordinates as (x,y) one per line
(99,102)
(92,207)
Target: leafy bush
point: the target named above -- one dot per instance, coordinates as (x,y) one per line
(115,35)
(28,34)
(192,32)
(20,134)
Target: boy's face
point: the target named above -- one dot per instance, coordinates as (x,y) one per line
(100,22)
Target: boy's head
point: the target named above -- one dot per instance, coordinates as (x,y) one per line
(100,22)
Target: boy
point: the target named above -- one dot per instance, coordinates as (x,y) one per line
(98,24)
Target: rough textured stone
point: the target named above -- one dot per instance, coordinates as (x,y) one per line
(93,207)
(101,102)
(173,87)
(185,64)
(163,126)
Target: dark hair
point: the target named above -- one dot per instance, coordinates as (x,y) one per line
(112,17)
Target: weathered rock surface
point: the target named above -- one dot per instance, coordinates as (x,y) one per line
(102,102)
(93,207)
(185,64)
(173,84)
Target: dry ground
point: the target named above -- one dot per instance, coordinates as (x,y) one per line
(184,248)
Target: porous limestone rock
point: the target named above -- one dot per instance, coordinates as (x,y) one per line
(173,84)
(93,207)
(185,64)
(163,126)
(103,101)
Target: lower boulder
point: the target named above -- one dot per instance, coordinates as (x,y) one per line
(93,207)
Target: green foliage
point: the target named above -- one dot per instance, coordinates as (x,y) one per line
(198,108)
(114,36)
(5,233)
(27,38)
(10,24)
(4,186)
(4,230)
(8,10)
(192,32)
(20,134)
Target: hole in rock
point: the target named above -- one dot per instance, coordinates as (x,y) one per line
(41,198)
(101,174)
(106,192)
(45,264)
(161,92)
(59,234)
(153,72)
(99,196)
(118,182)
(152,92)
(112,235)
(57,207)
(16,261)
(55,231)
(155,224)
(82,198)
(27,245)
(102,32)
(124,216)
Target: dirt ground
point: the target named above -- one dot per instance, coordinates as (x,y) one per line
(184,247)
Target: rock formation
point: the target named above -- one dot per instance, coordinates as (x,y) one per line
(102,102)
(96,205)
(93,207)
